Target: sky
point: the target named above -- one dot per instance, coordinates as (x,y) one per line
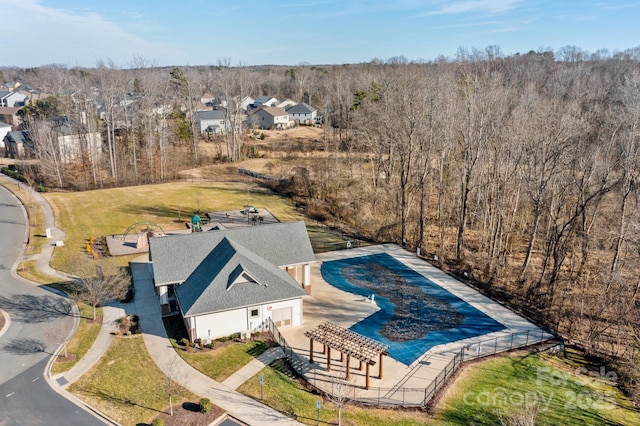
(80,33)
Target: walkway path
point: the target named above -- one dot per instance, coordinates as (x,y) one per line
(155,337)
(146,306)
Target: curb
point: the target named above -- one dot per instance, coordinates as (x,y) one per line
(7,321)
(71,397)
(47,373)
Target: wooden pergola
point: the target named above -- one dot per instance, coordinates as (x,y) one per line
(348,343)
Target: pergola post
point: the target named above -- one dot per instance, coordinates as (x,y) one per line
(348,372)
(310,351)
(380,372)
(328,358)
(341,356)
(360,366)
(366,385)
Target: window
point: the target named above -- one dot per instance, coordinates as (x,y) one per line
(254,313)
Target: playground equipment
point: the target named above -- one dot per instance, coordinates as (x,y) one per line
(196,223)
(143,240)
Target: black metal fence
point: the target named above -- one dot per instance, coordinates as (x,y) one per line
(407,397)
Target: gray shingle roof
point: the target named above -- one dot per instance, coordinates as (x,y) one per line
(175,257)
(19,137)
(231,277)
(210,115)
(301,108)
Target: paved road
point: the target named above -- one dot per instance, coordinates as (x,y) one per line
(38,320)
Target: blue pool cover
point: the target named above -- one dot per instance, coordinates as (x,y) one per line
(429,315)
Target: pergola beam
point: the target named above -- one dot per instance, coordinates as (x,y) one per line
(362,348)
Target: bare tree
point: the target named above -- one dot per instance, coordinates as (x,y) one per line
(98,289)
(340,389)
(173,380)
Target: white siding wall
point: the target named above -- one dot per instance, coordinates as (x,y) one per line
(222,324)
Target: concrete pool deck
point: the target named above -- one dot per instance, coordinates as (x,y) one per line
(401,384)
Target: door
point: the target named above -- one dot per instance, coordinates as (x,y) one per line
(281,317)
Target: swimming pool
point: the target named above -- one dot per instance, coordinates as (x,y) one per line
(415,313)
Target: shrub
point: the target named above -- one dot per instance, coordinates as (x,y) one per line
(205,405)
(185,342)
(157,422)
(210,345)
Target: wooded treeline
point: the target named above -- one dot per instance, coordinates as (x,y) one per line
(521,172)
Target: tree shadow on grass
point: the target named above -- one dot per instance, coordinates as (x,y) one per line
(36,309)
(25,346)
(116,400)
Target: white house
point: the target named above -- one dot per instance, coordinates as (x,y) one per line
(265,100)
(269,118)
(12,99)
(212,121)
(4,130)
(302,113)
(245,102)
(234,280)
(286,103)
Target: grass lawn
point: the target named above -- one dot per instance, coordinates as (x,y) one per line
(483,392)
(126,384)
(220,362)
(286,394)
(503,385)
(82,340)
(111,211)
(28,270)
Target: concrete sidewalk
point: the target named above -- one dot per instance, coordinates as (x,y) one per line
(110,316)
(147,307)
(254,367)
(164,355)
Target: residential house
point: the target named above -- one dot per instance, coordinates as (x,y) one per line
(4,130)
(286,103)
(269,118)
(245,102)
(18,144)
(72,138)
(302,113)
(234,280)
(212,121)
(10,116)
(12,99)
(265,100)
(207,99)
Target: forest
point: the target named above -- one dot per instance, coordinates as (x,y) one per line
(516,173)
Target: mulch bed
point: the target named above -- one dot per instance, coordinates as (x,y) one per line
(188,414)
(69,358)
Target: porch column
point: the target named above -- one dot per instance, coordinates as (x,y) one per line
(310,351)
(306,274)
(328,358)
(380,372)
(163,294)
